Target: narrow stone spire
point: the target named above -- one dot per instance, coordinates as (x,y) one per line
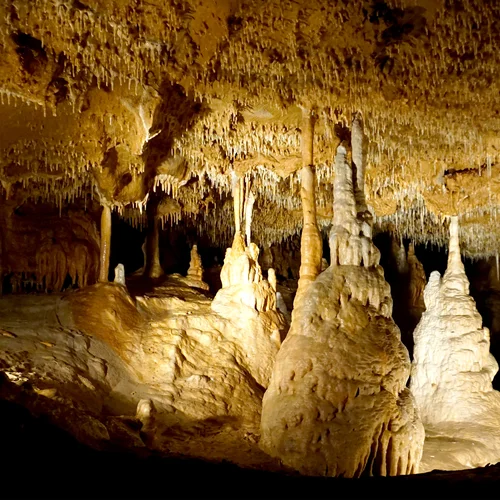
(454,259)
(358,158)
(311,245)
(344,201)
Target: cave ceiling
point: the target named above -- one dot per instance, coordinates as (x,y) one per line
(125,101)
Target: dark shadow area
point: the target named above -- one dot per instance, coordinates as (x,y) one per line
(41,461)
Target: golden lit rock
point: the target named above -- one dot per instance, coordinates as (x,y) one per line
(453,371)
(337,404)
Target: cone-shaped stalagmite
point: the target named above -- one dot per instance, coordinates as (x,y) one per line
(105,243)
(452,373)
(337,403)
(311,246)
(195,271)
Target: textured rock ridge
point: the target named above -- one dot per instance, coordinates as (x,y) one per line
(453,370)
(337,403)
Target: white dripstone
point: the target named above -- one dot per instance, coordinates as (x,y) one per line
(337,403)
(248,302)
(452,373)
(120,274)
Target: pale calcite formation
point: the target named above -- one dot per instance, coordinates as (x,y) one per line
(120,274)
(198,358)
(195,271)
(452,373)
(311,244)
(156,372)
(192,361)
(337,403)
(242,280)
(248,302)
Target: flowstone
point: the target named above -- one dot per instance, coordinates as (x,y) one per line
(452,373)
(337,403)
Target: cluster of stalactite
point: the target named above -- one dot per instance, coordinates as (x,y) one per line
(243,78)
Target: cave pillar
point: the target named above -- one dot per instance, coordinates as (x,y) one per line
(105,243)
(152,266)
(358,143)
(237,201)
(311,247)
(337,402)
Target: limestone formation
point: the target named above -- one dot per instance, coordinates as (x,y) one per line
(120,275)
(195,271)
(160,374)
(417,281)
(452,372)
(311,245)
(337,403)
(46,251)
(105,243)
(217,122)
(153,266)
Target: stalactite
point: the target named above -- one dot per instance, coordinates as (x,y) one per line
(358,158)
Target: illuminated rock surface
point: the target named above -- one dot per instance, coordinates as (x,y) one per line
(453,371)
(129,123)
(337,403)
(165,356)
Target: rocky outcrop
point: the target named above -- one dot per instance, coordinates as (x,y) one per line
(337,403)
(452,372)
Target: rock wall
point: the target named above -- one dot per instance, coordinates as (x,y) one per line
(337,403)
(453,370)
(40,249)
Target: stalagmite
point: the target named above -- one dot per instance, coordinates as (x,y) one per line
(105,243)
(195,271)
(452,372)
(248,301)
(337,403)
(311,245)
(120,275)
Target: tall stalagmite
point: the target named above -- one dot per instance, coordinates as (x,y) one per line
(452,372)
(337,403)
(311,246)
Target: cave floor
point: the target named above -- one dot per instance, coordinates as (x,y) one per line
(97,410)
(54,372)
